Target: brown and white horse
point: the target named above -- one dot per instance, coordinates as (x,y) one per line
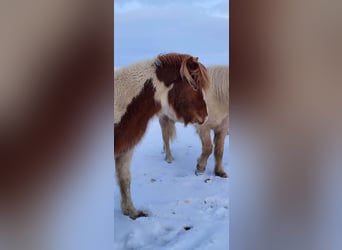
(170,84)
(218,108)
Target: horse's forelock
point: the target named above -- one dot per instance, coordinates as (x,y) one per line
(185,74)
(201,76)
(198,76)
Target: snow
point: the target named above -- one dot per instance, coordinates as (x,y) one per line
(185,211)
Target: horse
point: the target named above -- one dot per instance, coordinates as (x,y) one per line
(218,121)
(173,85)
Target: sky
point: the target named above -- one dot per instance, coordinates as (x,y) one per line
(145,28)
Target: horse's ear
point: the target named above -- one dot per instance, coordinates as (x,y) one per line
(193,64)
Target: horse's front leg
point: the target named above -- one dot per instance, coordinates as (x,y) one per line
(122,166)
(218,152)
(207,148)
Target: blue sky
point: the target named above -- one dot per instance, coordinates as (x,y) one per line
(146,28)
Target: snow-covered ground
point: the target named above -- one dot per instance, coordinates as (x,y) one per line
(185,211)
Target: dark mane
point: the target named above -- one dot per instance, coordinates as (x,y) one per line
(177,60)
(171,59)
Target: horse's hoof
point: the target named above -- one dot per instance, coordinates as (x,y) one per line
(169,159)
(221,174)
(138,214)
(198,172)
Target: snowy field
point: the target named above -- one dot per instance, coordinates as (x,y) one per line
(185,211)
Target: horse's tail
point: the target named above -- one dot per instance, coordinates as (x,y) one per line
(171,129)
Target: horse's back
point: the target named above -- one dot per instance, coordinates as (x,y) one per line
(219,76)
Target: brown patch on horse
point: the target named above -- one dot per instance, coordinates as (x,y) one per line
(183,98)
(134,122)
(179,68)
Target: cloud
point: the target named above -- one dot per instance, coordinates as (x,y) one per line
(146,32)
(211,7)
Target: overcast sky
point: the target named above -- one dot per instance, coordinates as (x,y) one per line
(146,28)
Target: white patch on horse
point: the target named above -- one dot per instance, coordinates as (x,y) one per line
(163,97)
(129,81)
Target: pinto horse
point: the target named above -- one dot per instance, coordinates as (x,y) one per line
(171,84)
(218,119)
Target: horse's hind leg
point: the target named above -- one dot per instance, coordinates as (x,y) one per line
(218,152)
(168,132)
(207,148)
(122,166)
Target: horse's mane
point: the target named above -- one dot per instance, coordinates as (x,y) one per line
(200,74)
(171,59)
(219,76)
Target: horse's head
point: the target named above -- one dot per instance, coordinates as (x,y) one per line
(188,80)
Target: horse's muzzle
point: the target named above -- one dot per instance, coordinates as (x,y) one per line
(201,120)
